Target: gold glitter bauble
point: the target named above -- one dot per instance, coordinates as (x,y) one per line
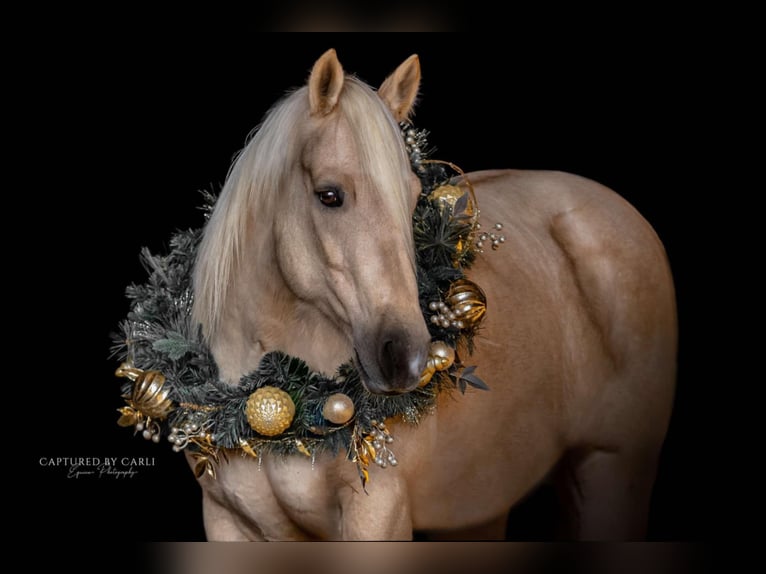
(442,354)
(270,411)
(338,408)
(467,301)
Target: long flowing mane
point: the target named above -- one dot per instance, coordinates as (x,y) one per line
(258,174)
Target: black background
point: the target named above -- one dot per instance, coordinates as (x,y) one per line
(119,137)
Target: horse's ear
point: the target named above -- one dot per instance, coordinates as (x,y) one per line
(400,89)
(325,83)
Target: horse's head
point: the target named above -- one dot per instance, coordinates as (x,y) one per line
(319,215)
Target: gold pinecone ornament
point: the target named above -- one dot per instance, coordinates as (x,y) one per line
(150,395)
(270,411)
(148,402)
(468,302)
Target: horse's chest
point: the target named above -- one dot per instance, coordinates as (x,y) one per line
(283,498)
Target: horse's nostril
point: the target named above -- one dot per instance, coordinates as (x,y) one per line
(388,360)
(401,361)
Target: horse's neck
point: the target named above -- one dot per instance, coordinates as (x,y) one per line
(263,315)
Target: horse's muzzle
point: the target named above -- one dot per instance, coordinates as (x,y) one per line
(392,362)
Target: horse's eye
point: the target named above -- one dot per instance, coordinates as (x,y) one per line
(331,196)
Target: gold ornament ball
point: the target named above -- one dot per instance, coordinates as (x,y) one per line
(442,354)
(468,302)
(270,411)
(338,408)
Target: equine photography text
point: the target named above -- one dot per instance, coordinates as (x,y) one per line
(116,467)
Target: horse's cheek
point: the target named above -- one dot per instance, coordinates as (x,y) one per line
(298,263)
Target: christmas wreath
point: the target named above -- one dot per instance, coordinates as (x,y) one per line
(173,388)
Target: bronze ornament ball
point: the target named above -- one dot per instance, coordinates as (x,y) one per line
(338,408)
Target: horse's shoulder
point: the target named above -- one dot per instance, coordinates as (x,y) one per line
(616,262)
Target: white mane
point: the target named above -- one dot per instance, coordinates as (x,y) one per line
(257,176)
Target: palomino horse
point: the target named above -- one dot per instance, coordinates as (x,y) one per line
(309,251)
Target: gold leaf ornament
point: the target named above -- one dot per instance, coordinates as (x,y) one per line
(207,457)
(247,448)
(203,465)
(302,448)
(372,447)
(448,195)
(129,416)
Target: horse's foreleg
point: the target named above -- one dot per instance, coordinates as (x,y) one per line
(608,493)
(491,530)
(221,523)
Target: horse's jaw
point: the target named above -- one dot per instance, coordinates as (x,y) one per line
(266,321)
(389,361)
